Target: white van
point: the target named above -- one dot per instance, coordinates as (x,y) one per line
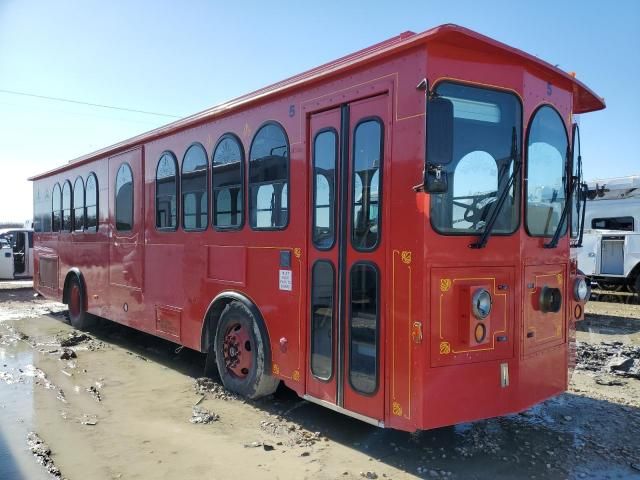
(16,253)
(610,251)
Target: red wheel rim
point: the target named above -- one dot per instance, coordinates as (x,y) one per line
(237,350)
(74,300)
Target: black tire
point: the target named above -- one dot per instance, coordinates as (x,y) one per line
(210,365)
(256,381)
(77,301)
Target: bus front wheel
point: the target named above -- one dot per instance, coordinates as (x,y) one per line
(240,353)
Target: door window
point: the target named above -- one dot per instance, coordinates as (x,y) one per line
(367,164)
(322,307)
(124,198)
(363,328)
(325,149)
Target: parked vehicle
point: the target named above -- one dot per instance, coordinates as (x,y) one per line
(610,252)
(376,249)
(16,256)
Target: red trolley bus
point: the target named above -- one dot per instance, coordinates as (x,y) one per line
(387,234)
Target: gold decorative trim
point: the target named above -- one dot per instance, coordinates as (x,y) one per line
(445,348)
(396,409)
(445,284)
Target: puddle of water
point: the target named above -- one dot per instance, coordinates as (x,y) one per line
(16,414)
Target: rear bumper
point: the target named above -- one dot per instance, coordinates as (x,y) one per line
(463,393)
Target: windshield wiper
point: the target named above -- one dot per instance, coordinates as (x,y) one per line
(556,235)
(484,238)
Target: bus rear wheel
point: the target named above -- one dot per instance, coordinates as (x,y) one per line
(78,315)
(240,353)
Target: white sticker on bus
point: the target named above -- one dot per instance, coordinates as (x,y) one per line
(286,282)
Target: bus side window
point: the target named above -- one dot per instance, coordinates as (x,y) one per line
(78,205)
(194,188)
(56,208)
(167,192)
(269,178)
(67,206)
(91,202)
(227,183)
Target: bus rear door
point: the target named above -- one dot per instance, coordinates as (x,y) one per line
(346,256)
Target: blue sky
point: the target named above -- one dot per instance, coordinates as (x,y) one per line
(182,57)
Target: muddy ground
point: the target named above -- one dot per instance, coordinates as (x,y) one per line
(123,404)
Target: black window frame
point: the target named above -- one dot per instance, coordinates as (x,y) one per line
(87,228)
(355,264)
(207,183)
(75,207)
(59,211)
(352,182)
(133,201)
(333,209)
(63,225)
(518,187)
(178,181)
(287,184)
(243,184)
(567,172)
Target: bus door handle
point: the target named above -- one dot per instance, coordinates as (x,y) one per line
(416,332)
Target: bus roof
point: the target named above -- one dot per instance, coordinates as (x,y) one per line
(585,100)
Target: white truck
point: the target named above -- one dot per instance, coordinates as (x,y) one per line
(16,253)
(610,251)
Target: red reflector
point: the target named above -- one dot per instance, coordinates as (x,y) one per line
(480,332)
(577,312)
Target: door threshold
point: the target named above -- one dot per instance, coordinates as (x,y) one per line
(336,408)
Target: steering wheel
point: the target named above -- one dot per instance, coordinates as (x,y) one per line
(476,211)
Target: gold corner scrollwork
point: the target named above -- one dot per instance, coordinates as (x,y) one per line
(406,257)
(396,409)
(445,348)
(445,284)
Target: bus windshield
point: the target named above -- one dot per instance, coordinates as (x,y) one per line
(487,126)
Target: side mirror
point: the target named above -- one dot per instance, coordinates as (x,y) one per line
(435,180)
(439,144)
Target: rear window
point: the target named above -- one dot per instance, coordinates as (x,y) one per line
(613,223)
